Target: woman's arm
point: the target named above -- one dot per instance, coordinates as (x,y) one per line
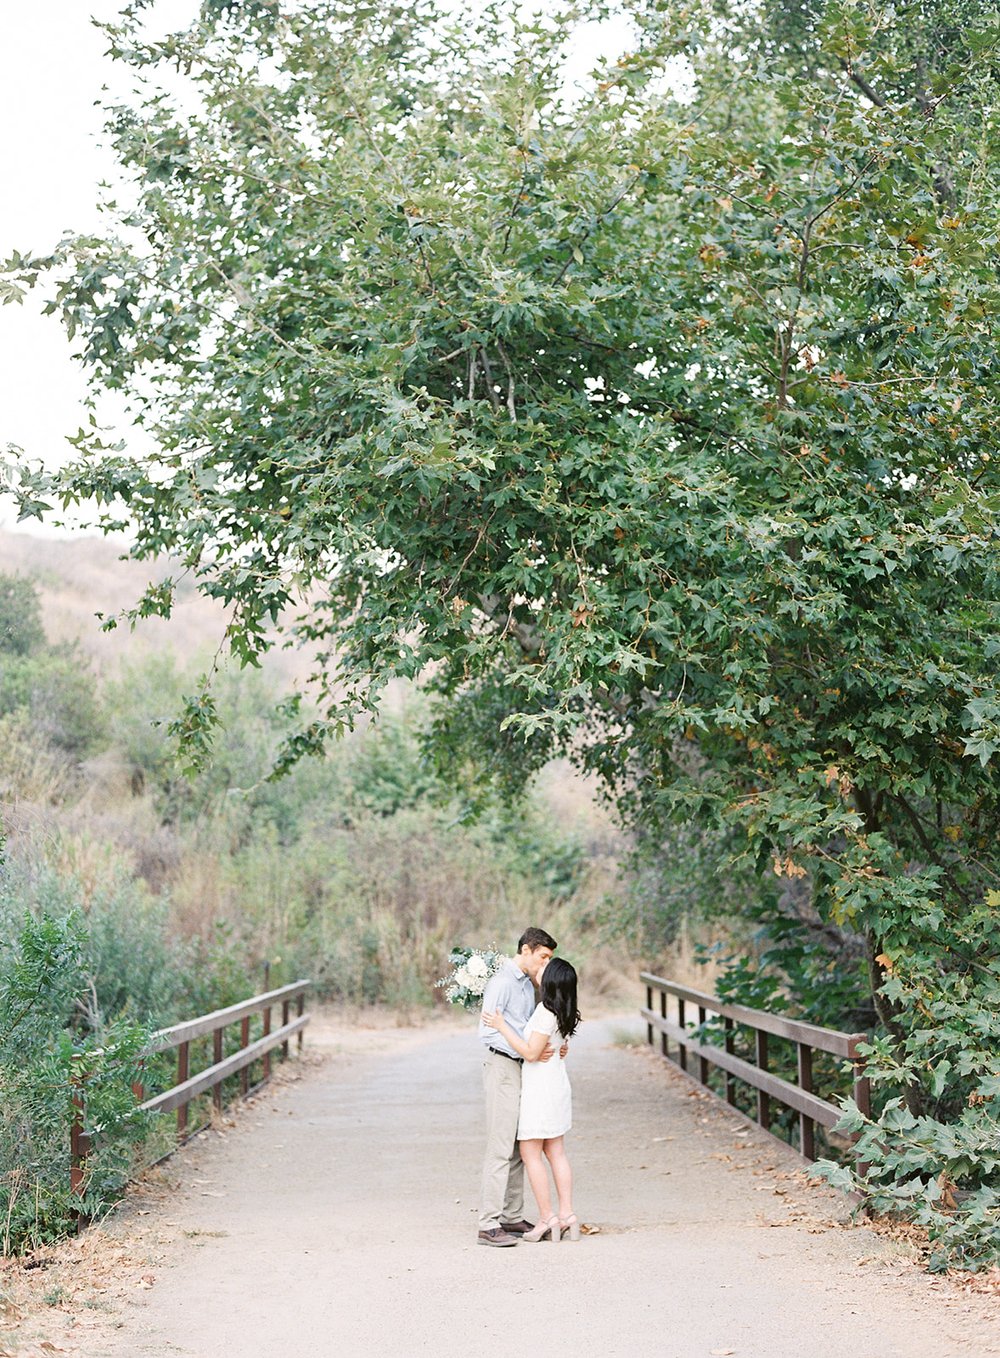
(530,1050)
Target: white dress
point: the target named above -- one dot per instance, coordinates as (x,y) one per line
(546,1098)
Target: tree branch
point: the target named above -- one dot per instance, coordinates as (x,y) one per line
(863,84)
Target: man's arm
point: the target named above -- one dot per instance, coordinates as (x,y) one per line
(495,997)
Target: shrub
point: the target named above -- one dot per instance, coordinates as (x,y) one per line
(932,1151)
(21,630)
(58,693)
(30,769)
(44,1047)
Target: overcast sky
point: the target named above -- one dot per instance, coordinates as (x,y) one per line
(54,70)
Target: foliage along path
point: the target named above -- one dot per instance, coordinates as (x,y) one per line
(336,1215)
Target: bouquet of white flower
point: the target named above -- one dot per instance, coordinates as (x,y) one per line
(471,968)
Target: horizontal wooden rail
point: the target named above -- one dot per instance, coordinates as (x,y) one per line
(213,1075)
(820,1039)
(168,1038)
(188,1086)
(806,1036)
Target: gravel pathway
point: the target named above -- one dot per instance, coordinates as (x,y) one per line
(336,1216)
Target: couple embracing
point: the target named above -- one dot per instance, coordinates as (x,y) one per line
(528,1098)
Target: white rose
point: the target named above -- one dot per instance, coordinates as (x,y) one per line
(463,978)
(477,967)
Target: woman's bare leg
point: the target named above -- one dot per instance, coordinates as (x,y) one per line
(555,1151)
(538,1176)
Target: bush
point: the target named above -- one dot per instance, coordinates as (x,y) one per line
(21,630)
(30,770)
(370,909)
(57,692)
(44,1047)
(932,1151)
(87,971)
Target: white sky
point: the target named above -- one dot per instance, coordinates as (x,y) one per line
(53,72)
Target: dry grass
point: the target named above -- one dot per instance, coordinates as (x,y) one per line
(81,576)
(679,962)
(985,1283)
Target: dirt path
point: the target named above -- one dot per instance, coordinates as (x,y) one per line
(337,1216)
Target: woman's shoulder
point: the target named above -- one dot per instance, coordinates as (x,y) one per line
(543,1020)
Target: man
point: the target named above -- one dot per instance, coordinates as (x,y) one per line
(511,990)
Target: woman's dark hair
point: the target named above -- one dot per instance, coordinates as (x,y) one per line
(559,994)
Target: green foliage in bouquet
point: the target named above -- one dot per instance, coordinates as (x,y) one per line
(471,968)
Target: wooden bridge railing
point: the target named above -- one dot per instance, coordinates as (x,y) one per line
(806,1036)
(187,1086)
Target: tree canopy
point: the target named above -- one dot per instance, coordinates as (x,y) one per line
(649,418)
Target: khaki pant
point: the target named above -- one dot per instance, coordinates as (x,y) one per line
(501,1197)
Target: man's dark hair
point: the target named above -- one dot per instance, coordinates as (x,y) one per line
(536,938)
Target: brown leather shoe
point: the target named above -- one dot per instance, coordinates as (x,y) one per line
(517,1227)
(497,1236)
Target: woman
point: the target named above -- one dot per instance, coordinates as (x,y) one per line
(546,1101)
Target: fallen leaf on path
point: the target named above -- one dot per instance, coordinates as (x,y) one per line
(722,1352)
(590,1230)
(50,1348)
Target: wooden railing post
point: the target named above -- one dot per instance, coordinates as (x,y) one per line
(807,1141)
(702,1060)
(862,1092)
(730,1048)
(182,1074)
(862,1085)
(138,1085)
(216,1058)
(285,1006)
(763,1100)
(244,1042)
(649,1005)
(300,1010)
(267,1033)
(664,1045)
(683,1027)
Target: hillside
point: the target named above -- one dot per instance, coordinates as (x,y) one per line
(79,577)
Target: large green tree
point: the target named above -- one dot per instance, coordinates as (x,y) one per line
(648,417)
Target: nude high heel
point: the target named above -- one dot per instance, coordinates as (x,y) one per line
(548,1228)
(570,1227)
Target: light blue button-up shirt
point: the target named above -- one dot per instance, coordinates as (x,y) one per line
(511,993)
